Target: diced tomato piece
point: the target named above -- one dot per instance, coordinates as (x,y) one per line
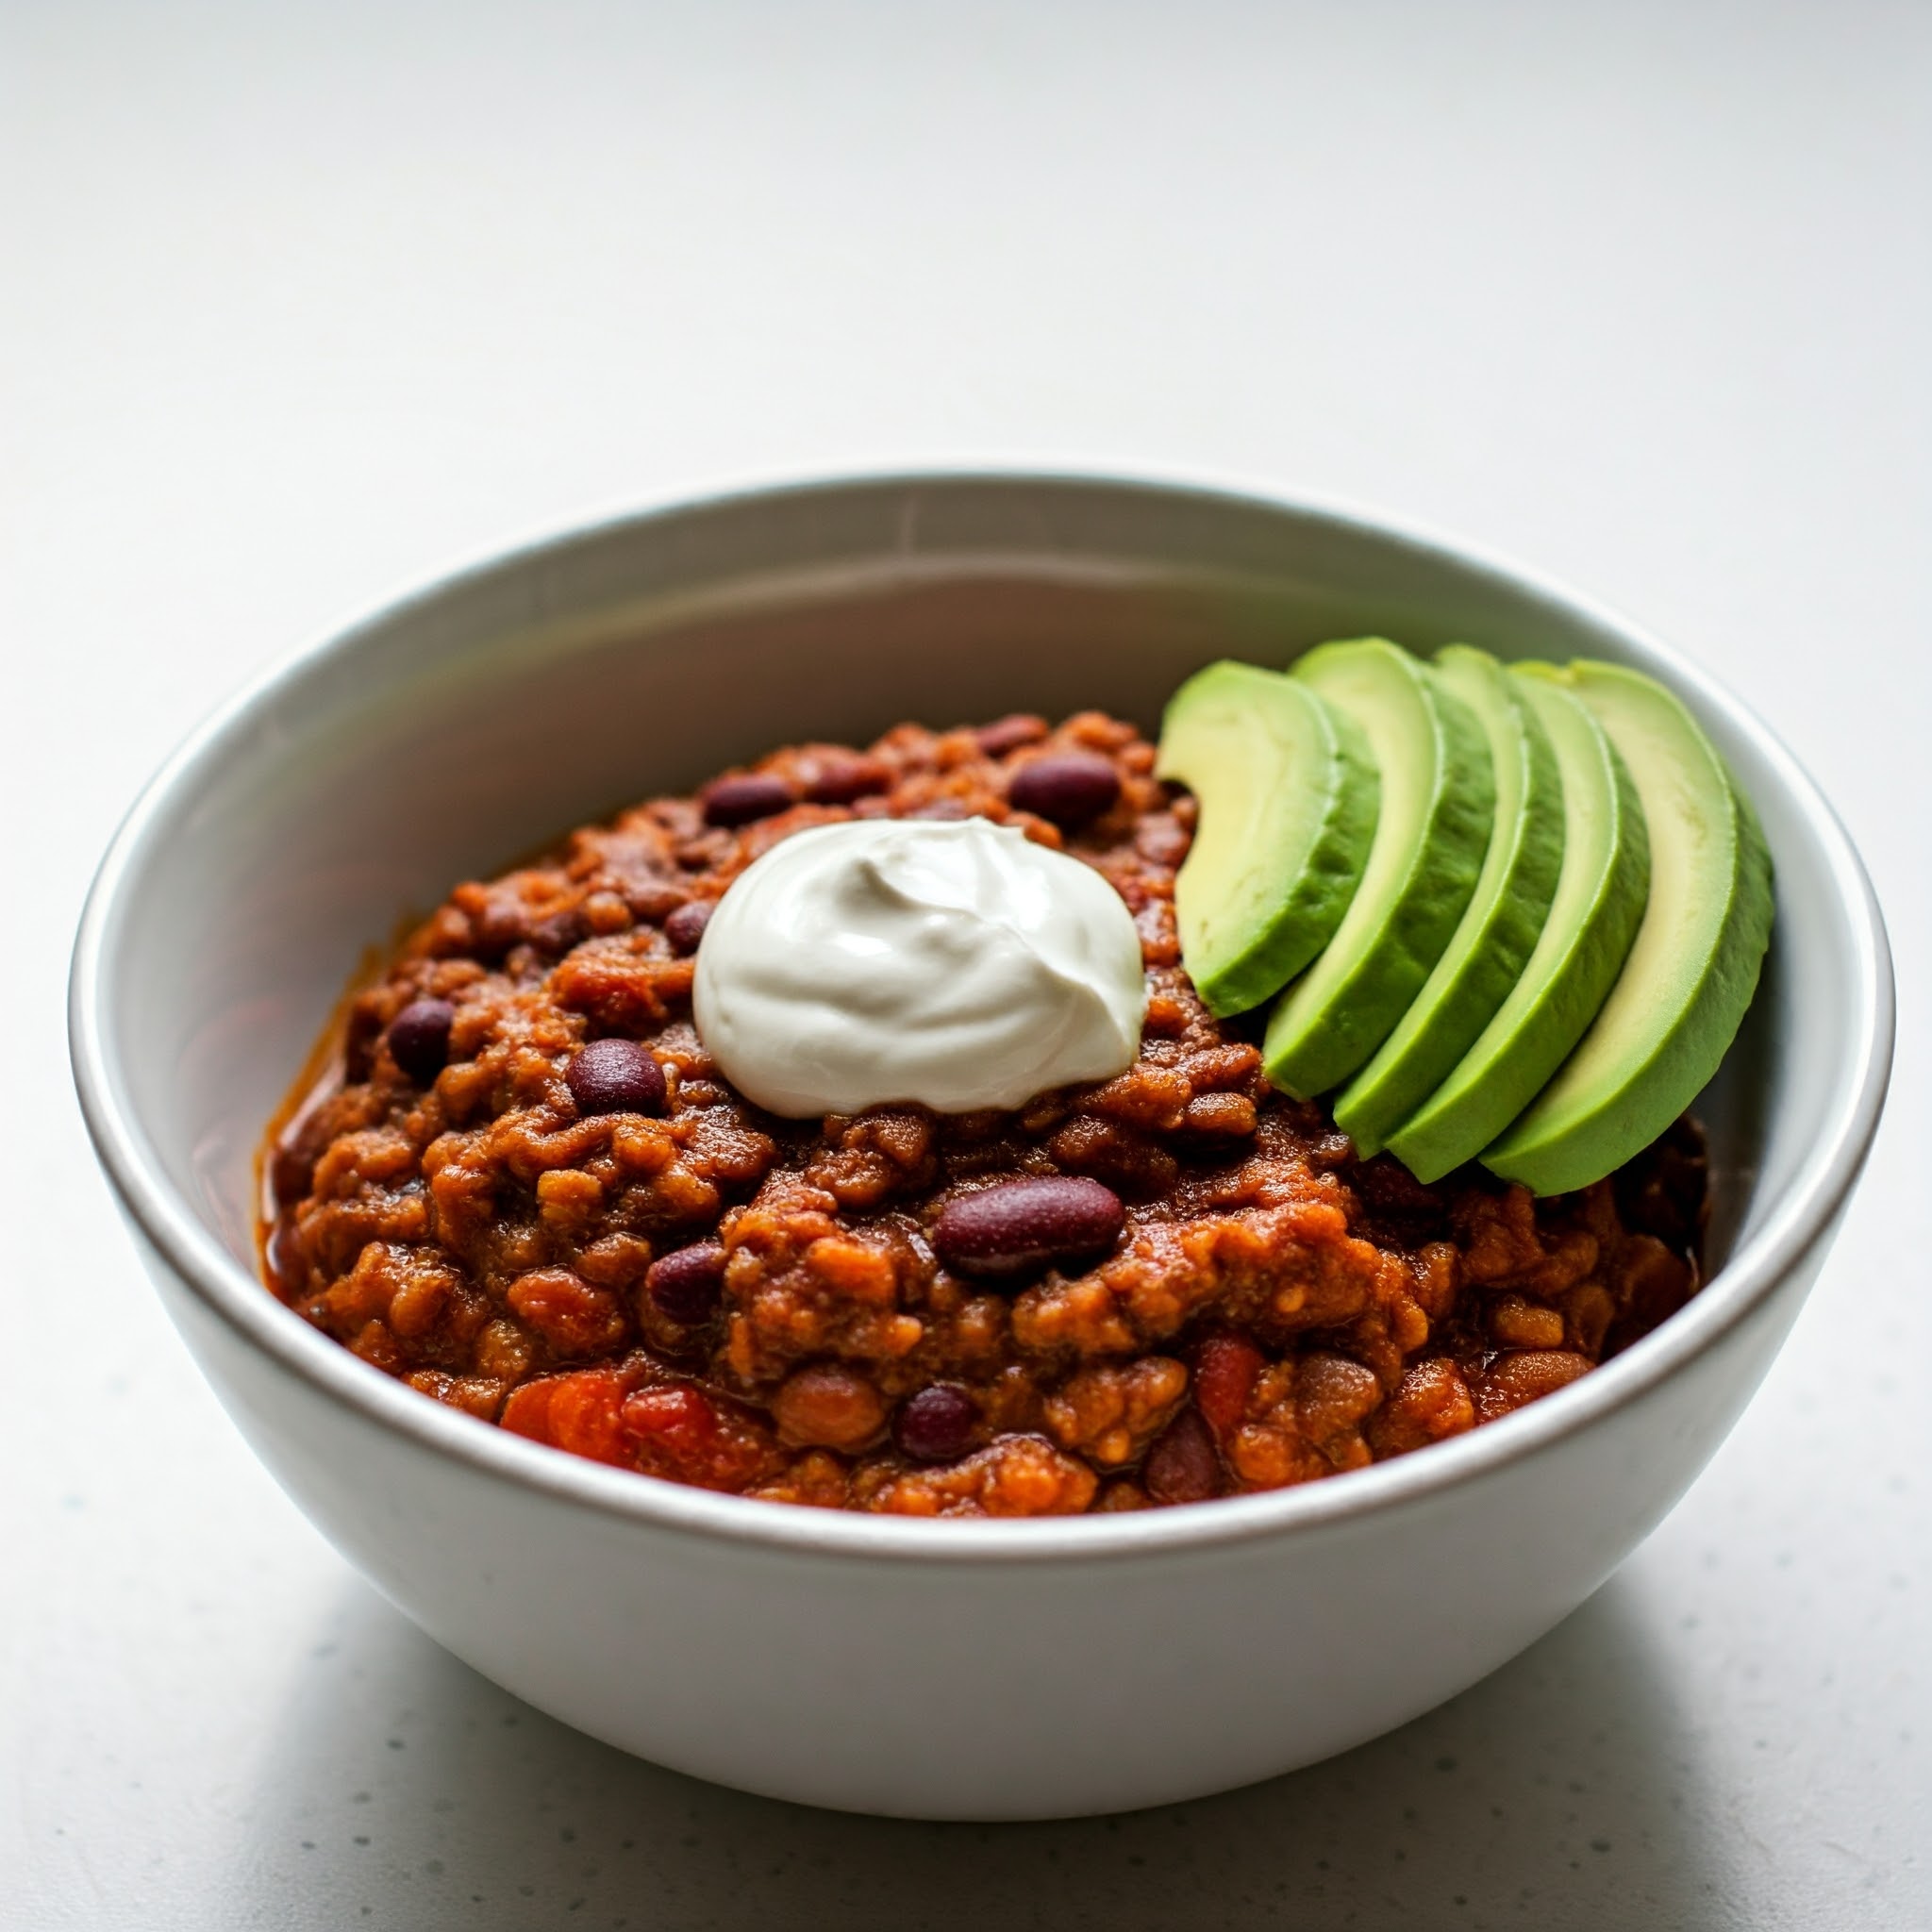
(580,1412)
(677,1431)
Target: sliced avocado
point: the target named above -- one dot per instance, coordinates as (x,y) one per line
(1682,994)
(1437,807)
(1288,795)
(1593,919)
(1501,925)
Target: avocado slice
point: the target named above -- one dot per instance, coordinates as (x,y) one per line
(1437,807)
(1501,925)
(1288,797)
(1593,919)
(1694,967)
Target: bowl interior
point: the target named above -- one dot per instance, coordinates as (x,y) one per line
(459,730)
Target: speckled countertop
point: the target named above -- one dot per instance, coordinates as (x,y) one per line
(301,305)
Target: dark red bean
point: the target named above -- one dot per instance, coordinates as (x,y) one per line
(684,926)
(839,781)
(1182,1466)
(1068,786)
(739,801)
(496,929)
(1008,734)
(557,932)
(616,1076)
(1016,1226)
(688,1283)
(419,1038)
(937,1424)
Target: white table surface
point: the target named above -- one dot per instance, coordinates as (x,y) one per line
(301,305)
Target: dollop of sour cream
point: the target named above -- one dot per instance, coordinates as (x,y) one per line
(955,963)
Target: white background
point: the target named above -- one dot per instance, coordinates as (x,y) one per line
(302,305)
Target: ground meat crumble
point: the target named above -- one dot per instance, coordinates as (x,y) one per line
(697,1290)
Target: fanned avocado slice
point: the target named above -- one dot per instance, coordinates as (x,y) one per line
(1593,919)
(1437,808)
(1501,925)
(1288,797)
(1694,967)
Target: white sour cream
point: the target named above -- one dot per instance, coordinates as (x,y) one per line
(952,963)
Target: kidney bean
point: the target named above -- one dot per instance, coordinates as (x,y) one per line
(737,801)
(688,1283)
(1182,1466)
(937,1424)
(497,928)
(616,1076)
(1010,733)
(684,925)
(839,781)
(1226,1367)
(419,1038)
(557,932)
(1018,1226)
(1068,786)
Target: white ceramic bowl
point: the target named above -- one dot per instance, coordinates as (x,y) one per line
(955,1670)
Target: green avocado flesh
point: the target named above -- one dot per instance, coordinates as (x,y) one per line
(1593,916)
(1692,969)
(1437,806)
(1500,926)
(1288,799)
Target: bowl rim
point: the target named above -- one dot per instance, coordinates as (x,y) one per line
(236,1297)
